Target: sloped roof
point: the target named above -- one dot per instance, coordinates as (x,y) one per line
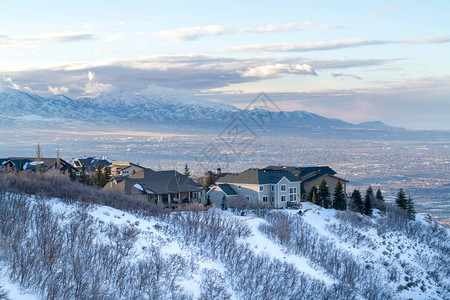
(310,179)
(29,163)
(321,170)
(159,182)
(91,163)
(258,176)
(227,189)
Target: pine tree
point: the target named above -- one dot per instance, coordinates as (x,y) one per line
(357,203)
(312,196)
(368,202)
(380,204)
(84,178)
(339,197)
(324,195)
(98,176)
(72,174)
(208,201)
(187,172)
(401,200)
(410,208)
(106,175)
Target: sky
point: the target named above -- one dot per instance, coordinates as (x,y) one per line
(352,60)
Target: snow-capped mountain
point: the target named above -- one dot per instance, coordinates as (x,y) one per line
(116,108)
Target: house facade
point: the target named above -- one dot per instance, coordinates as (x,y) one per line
(119,168)
(311,176)
(280,188)
(169,187)
(33,164)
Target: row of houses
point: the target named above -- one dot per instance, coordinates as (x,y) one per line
(279,186)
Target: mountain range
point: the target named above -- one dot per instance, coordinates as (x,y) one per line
(19,107)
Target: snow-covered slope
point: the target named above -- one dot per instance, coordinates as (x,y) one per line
(218,255)
(125,107)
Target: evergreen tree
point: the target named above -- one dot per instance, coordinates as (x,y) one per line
(72,174)
(380,204)
(187,172)
(410,208)
(339,197)
(84,178)
(357,203)
(312,196)
(368,202)
(209,179)
(208,201)
(98,176)
(401,200)
(21,165)
(324,195)
(106,175)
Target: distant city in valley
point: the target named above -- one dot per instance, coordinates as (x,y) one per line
(420,167)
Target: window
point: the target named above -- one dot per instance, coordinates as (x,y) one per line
(265,199)
(272,188)
(283,198)
(272,198)
(293,194)
(261,188)
(247,197)
(283,187)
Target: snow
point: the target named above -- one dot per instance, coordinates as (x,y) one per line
(261,244)
(393,247)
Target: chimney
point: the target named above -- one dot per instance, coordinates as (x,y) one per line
(218,171)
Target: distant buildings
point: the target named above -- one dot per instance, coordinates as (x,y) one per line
(34,164)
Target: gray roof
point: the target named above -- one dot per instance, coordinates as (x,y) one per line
(159,182)
(227,189)
(258,176)
(29,163)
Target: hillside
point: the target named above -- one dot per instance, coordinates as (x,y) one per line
(125,108)
(63,249)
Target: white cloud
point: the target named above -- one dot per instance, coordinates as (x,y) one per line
(91,75)
(95,87)
(191,33)
(58,90)
(276,70)
(8,41)
(330,45)
(115,37)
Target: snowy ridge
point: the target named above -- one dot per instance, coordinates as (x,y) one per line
(220,255)
(123,106)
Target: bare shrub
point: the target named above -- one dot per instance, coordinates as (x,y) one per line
(214,286)
(3,294)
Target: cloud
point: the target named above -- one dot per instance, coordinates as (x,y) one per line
(420,102)
(344,76)
(115,37)
(179,72)
(95,87)
(8,41)
(191,33)
(58,90)
(293,26)
(276,70)
(330,45)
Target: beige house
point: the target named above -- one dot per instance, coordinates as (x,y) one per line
(280,188)
(120,168)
